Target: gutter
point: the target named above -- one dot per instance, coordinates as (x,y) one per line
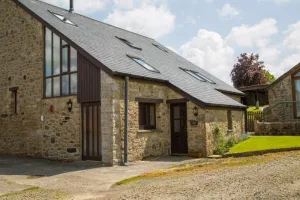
(125,160)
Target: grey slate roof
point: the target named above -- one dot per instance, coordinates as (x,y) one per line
(98,39)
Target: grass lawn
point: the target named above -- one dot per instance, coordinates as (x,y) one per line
(259,143)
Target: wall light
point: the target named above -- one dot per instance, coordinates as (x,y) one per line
(70,105)
(195,111)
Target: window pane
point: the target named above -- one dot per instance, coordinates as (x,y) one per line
(142,115)
(176,112)
(48,52)
(73,60)
(56,86)
(63,42)
(56,55)
(65,85)
(65,59)
(74,83)
(298,74)
(152,115)
(48,92)
(297,86)
(177,125)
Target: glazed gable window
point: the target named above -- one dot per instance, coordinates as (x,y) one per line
(147,116)
(60,67)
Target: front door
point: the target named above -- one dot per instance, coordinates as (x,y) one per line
(91,131)
(179,129)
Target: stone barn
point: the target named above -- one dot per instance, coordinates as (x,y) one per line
(73,88)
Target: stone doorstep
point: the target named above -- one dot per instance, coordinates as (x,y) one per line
(256,153)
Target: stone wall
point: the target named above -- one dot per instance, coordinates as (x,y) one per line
(142,144)
(282,91)
(277,128)
(218,117)
(21,65)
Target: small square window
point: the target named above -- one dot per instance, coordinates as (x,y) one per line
(129,43)
(160,47)
(144,64)
(147,116)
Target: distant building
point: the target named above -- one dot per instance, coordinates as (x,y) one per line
(255,93)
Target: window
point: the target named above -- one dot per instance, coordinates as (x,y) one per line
(63,19)
(147,116)
(198,76)
(160,47)
(296,86)
(60,67)
(229,119)
(144,64)
(129,43)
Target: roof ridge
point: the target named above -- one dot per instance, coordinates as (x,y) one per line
(95,20)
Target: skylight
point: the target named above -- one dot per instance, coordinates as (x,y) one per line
(198,76)
(160,47)
(129,43)
(63,19)
(144,64)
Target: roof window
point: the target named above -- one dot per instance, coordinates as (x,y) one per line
(63,19)
(160,47)
(129,43)
(198,76)
(144,64)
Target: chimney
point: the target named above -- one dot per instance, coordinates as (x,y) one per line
(71,6)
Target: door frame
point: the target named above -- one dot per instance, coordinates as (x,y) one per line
(180,103)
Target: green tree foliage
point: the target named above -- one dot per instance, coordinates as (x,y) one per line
(249,71)
(270,76)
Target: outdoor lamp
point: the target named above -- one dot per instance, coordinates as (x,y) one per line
(70,105)
(195,111)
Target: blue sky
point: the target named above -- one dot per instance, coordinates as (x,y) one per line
(209,33)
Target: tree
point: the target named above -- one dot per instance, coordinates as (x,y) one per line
(250,71)
(270,76)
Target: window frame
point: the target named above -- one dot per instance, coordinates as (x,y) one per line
(160,47)
(198,76)
(136,58)
(63,20)
(61,74)
(127,42)
(294,78)
(229,120)
(147,125)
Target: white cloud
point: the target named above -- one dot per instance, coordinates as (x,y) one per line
(86,6)
(147,20)
(269,54)
(287,64)
(228,11)
(292,39)
(248,36)
(209,51)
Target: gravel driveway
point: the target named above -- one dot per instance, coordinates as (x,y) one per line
(277,179)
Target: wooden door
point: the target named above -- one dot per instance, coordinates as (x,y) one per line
(91,131)
(179,129)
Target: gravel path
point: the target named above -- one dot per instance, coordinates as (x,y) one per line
(277,179)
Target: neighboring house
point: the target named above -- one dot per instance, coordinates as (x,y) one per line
(285,89)
(75,88)
(254,94)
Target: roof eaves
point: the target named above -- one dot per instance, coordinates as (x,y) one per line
(230,92)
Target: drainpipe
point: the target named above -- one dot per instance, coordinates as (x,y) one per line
(125,161)
(246,121)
